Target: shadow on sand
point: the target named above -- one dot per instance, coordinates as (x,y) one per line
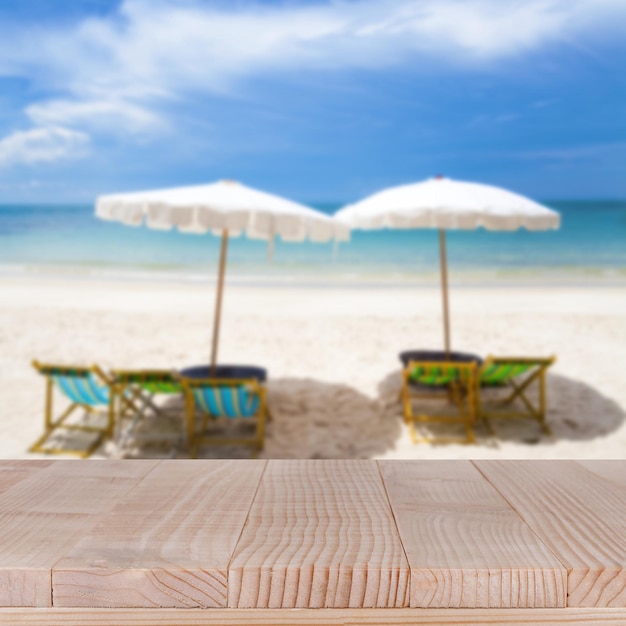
(576,412)
(316,420)
(310,419)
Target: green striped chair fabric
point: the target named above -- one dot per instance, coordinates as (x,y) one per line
(518,375)
(500,373)
(437,376)
(152,382)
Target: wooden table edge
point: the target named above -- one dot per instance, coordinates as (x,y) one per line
(285,617)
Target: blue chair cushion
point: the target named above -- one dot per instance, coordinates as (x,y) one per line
(82,389)
(230,401)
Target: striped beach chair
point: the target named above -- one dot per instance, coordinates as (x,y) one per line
(221,403)
(518,378)
(86,388)
(141,387)
(452,382)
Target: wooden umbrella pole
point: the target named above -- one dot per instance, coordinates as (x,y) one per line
(444,289)
(218,300)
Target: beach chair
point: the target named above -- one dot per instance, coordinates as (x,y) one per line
(86,388)
(222,403)
(141,387)
(448,381)
(510,381)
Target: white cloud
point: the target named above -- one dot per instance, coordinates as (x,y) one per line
(120,71)
(104,115)
(39,145)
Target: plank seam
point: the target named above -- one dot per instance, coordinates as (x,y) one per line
(95,521)
(532,530)
(243,526)
(407,594)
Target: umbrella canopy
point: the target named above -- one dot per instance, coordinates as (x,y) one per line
(448,204)
(443,203)
(225,208)
(224,205)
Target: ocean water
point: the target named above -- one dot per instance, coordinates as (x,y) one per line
(590,247)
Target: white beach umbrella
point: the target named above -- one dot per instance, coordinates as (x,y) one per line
(224,208)
(444,204)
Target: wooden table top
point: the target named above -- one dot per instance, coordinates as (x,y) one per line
(313,534)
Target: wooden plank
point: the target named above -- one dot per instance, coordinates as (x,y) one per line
(13,471)
(167,543)
(313,617)
(319,534)
(611,471)
(465,545)
(43,515)
(580,513)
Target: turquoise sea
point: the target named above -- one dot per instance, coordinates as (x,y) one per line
(590,248)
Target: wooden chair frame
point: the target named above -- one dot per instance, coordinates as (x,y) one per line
(52,424)
(256,442)
(131,385)
(517,387)
(459,391)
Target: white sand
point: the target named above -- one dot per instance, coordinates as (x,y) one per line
(331,356)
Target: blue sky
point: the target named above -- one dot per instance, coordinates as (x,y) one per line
(321,101)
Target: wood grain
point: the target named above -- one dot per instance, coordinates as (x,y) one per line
(580,513)
(167,543)
(465,545)
(313,617)
(42,515)
(319,534)
(12,472)
(613,472)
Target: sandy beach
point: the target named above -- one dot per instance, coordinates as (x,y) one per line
(331,355)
